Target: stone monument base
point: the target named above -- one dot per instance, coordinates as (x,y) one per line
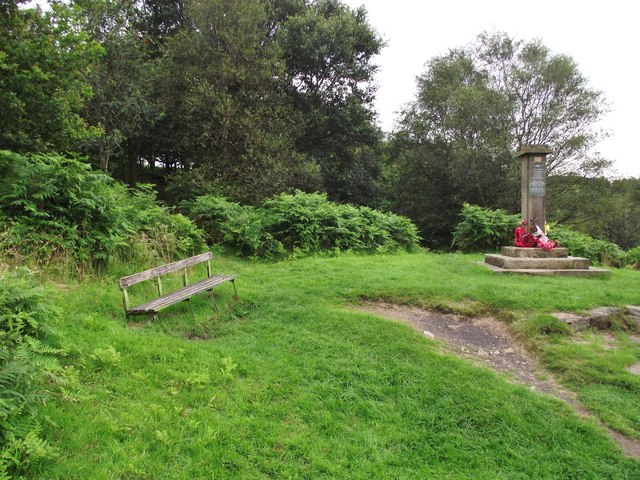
(536,261)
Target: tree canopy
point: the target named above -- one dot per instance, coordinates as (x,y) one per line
(242,98)
(250,98)
(474,108)
(551,102)
(44,60)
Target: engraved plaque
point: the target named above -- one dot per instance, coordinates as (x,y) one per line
(537,180)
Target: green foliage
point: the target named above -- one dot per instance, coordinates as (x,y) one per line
(600,207)
(583,245)
(302,222)
(550,100)
(124,105)
(632,257)
(29,370)
(240,228)
(475,106)
(55,208)
(482,229)
(421,186)
(328,49)
(541,324)
(249,97)
(232,120)
(310,223)
(44,60)
(457,106)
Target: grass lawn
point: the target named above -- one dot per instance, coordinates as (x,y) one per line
(289,383)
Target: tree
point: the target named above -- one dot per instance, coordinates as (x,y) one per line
(421,184)
(242,98)
(601,207)
(551,101)
(44,59)
(483,102)
(232,120)
(126,106)
(328,50)
(457,106)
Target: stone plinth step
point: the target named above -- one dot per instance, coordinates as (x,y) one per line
(512,263)
(587,272)
(520,252)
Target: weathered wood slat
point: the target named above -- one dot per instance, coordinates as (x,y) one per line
(164,269)
(157,304)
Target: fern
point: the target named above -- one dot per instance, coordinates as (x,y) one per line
(483,229)
(302,223)
(29,368)
(59,208)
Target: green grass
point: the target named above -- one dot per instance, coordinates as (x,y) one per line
(289,383)
(599,377)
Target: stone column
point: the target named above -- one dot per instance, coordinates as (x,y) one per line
(534,182)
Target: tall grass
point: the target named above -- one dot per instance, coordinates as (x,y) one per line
(291,382)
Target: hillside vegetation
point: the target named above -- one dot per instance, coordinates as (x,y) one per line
(138,133)
(291,381)
(294,382)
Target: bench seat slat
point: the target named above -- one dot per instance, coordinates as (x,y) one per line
(183,293)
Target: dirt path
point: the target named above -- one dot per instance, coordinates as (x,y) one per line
(487,342)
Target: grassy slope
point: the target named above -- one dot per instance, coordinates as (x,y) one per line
(292,385)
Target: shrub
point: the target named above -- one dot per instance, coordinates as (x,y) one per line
(54,208)
(484,229)
(29,369)
(632,258)
(300,222)
(237,227)
(310,223)
(583,245)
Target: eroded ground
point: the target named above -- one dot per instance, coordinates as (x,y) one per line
(488,342)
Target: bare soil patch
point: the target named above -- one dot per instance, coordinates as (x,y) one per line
(488,342)
(482,340)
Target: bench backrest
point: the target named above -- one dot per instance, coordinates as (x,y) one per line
(164,269)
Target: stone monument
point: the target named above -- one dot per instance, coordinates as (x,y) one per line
(536,261)
(533,160)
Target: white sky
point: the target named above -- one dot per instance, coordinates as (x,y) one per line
(600,36)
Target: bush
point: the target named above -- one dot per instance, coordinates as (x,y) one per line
(632,258)
(583,245)
(237,227)
(29,369)
(302,222)
(54,208)
(483,229)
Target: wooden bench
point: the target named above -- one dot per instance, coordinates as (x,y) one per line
(184,293)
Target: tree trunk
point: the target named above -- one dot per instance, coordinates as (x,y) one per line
(132,163)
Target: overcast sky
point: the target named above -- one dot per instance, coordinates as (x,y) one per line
(600,36)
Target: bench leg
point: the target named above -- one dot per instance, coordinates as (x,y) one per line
(191,308)
(213,301)
(155,316)
(235,292)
